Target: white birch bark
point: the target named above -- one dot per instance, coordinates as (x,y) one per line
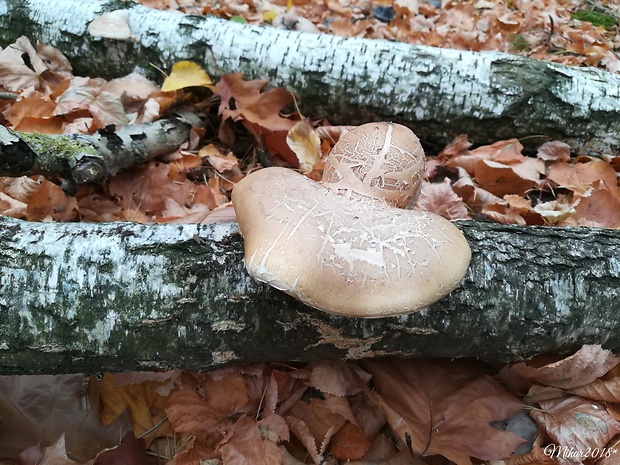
(438,92)
(122,296)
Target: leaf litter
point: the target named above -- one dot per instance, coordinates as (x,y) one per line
(418,411)
(377,411)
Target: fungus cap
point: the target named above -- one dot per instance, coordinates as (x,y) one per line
(346,257)
(345,245)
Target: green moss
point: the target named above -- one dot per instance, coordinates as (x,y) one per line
(597,19)
(57,154)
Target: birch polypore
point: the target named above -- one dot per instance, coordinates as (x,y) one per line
(341,245)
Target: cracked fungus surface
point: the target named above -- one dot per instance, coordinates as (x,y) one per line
(320,246)
(384,161)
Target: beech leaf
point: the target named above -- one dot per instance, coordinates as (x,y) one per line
(186,74)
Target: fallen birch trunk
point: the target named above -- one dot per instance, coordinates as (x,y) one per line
(439,93)
(121,296)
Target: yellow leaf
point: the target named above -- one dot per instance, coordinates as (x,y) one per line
(269,15)
(186,74)
(304,141)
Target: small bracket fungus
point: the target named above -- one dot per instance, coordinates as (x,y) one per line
(345,245)
(111,25)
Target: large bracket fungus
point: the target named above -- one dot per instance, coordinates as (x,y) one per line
(346,245)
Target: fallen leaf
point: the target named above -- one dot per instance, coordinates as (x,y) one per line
(130,451)
(554,151)
(576,423)
(41,408)
(444,407)
(439,198)
(597,207)
(604,390)
(15,73)
(247,447)
(262,108)
(349,443)
(56,454)
(196,406)
(304,141)
(582,174)
(48,202)
(500,179)
(145,405)
(333,377)
(186,74)
(583,367)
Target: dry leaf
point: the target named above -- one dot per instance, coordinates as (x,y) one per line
(261,108)
(583,367)
(186,74)
(195,406)
(445,408)
(599,206)
(577,423)
(247,447)
(581,175)
(500,179)
(304,141)
(439,198)
(349,443)
(145,405)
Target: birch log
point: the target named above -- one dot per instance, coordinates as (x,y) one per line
(89,159)
(121,296)
(439,93)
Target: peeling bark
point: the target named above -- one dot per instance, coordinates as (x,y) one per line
(122,296)
(439,93)
(88,159)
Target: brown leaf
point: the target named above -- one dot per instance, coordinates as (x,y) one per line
(34,106)
(146,188)
(317,419)
(49,203)
(15,73)
(583,367)
(581,175)
(577,423)
(501,179)
(195,407)
(445,408)
(262,108)
(368,415)
(302,433)
(218,160)
(130,451)
(457,147)
(349,443)
(276,424)
(56,454)
(503,214)
(333,377)
(41,408)
(597,207)
(247,447)
(439,198)
(605,390)
(554,151)
(30,456)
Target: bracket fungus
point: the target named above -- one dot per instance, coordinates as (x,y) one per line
(347,245)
